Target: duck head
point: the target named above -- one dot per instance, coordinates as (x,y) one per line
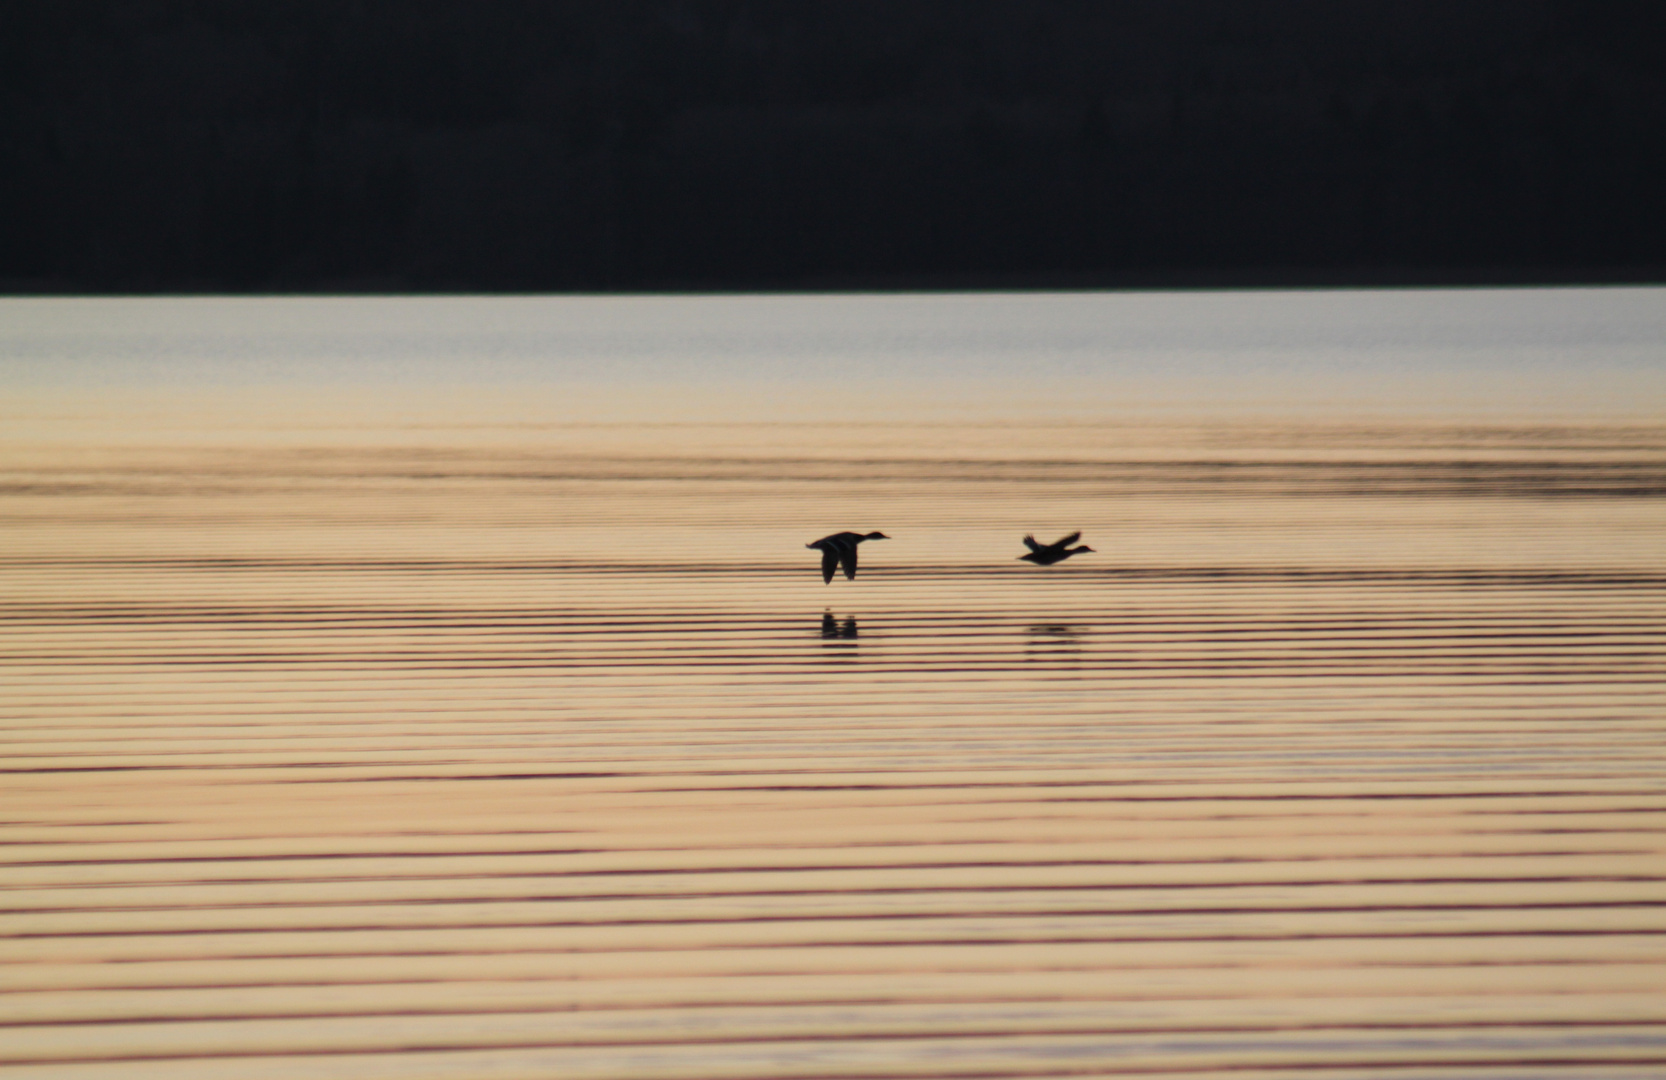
(876,536)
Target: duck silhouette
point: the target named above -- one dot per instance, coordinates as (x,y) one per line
(840,549)
(1057,551)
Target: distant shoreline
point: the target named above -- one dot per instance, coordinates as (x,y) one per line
(1146,281)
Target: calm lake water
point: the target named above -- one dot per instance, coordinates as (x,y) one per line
(440,688)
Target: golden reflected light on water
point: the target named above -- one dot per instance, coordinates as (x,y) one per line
(380,736)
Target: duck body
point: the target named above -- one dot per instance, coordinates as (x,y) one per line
(1056,552)
(839,550)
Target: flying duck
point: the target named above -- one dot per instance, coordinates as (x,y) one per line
(1057,551)
(840,548)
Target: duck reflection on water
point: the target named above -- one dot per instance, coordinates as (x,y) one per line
(1053,641)
(834,628)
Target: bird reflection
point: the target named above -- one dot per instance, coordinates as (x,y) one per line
(1056,641)
(833,628)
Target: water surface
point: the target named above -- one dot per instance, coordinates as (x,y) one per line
(441,688)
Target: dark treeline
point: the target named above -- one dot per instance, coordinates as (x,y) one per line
(522,145)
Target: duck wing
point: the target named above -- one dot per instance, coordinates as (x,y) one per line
(1029,542)
(1067,541)
(829,562)
(847,555)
